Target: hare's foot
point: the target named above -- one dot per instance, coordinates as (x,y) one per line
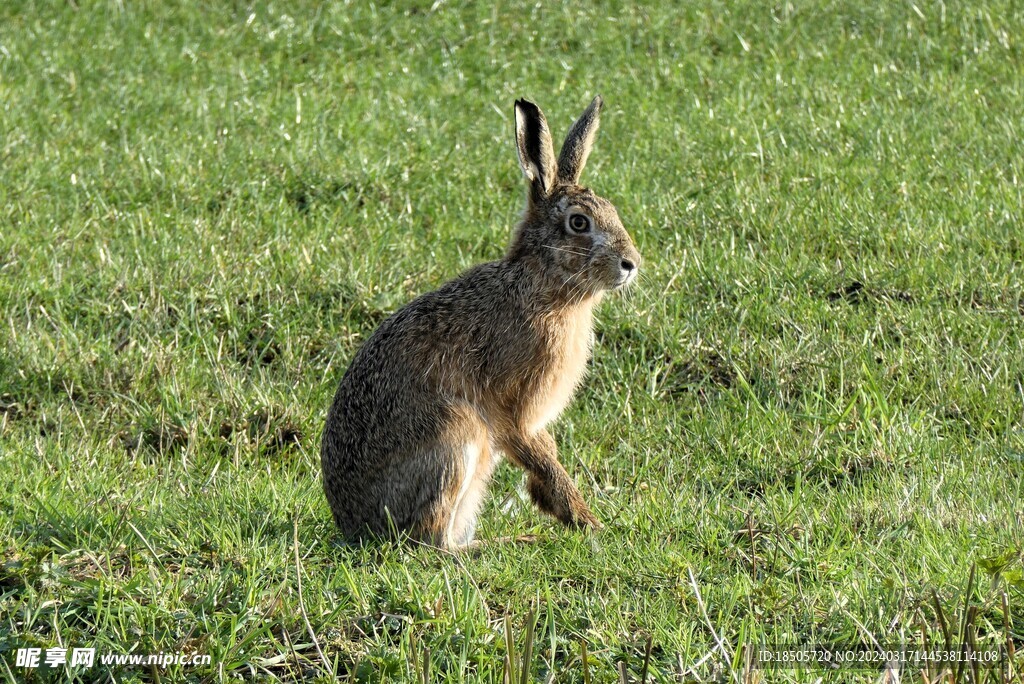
(558,497)
(478,545)
(550,487)
(516,539)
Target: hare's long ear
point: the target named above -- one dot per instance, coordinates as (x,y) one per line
(536,154)
(578,142)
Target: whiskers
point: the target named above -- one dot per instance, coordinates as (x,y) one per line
(576,287)
(635,293)
(567,250)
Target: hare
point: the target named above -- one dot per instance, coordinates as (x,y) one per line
(478,368)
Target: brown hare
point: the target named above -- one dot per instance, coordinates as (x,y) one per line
(479,367)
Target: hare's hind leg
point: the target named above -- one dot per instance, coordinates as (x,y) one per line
(463,454)
(477,464)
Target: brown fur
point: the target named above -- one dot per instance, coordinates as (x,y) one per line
(480,366)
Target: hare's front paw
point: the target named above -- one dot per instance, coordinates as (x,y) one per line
(562,501)
(585,519)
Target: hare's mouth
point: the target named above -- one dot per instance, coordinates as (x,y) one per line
(625,279)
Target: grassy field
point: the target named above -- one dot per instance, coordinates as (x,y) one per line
(806,423)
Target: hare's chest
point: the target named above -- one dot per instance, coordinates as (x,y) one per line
(565,371)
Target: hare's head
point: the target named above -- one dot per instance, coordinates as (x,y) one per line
(574,235)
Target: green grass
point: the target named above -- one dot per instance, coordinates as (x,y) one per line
(813,401)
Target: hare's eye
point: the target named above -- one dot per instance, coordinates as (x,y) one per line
(579,223)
